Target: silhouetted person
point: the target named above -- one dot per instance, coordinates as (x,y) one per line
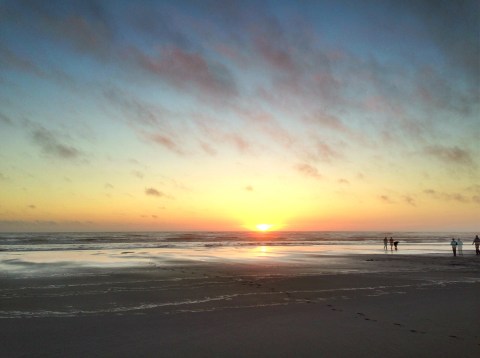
(460,247)
(476,241)
(454,247)
(395,244)
(385,243)
(391,243)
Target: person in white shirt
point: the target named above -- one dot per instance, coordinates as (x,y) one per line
(460,247)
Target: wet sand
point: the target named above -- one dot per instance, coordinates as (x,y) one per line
(360,305)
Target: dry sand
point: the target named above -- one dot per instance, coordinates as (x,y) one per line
(365,305)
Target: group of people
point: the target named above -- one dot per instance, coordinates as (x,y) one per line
(392,244)
(458,243)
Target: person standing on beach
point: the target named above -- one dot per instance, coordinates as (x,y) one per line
(396,244)
(476,241)
(391,243)
(454,247)
(460,247)
(385,243)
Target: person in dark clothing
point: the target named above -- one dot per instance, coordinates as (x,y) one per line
(476,241)
(453,243)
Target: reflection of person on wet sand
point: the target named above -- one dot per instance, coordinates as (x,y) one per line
(396,244)
(385,243)
(391,243)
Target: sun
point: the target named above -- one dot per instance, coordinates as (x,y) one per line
(263,227)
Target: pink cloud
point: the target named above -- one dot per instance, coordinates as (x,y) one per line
(187,70)
(166,142)
(326,120)
(308,170)
(453,155)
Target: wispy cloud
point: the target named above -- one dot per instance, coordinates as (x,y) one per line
(138,174)
(409,200)
(190,71)
(166,142)
(451,155)
(386,199)
(5,119)
(308,170)
(52,145)
(154,192)
(439,195)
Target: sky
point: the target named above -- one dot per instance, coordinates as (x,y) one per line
(223,115)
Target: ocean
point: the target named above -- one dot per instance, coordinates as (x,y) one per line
(57,253)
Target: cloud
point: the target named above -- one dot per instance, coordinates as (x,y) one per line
(9,59)
(32,206)
(325,152)
(238,141)
(207,148)
(308,170)
(154,192)
(190,71)
(19,224)
(85,26)
(326,121)
(386,199)
(458,197)
(108,186)
(409,200)
(5,119)
(137,111)
(152,122)
(137,174)
(249,188)
(52,145)
(214,131)
(165,142)
(450,155)
(454,28)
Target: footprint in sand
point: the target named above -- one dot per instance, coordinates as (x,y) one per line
(398,324)
(453,336)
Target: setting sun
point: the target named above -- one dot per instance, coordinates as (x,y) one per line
(263,227)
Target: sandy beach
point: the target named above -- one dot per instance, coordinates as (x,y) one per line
(344,306)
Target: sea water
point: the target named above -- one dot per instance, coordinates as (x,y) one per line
(40,252)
